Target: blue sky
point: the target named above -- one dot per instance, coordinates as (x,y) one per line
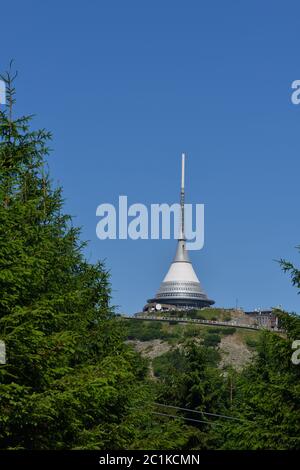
(125,87)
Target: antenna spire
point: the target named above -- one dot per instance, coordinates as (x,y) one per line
(181,232)
(182,170)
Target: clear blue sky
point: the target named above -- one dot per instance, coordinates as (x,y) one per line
(125,87)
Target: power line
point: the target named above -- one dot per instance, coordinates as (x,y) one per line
(182,417)
(200,412)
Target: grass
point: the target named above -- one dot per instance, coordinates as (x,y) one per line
(203,314)
(248,336)
(212,314)
(179,333)
(223,330)
(149,330)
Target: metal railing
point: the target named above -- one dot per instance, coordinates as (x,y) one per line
(232,323)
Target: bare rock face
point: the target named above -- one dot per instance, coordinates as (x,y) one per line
(234,352)
(150,349)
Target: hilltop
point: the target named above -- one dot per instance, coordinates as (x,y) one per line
(213,314)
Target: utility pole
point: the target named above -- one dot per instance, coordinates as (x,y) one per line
(2,352)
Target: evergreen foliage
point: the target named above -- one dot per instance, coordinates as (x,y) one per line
(267,400)
(69,378)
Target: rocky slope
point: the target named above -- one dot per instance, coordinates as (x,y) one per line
(152,339)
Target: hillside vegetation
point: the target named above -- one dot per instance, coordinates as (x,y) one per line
(233,346)
(220,314)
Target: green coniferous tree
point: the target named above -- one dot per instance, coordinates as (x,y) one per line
(267,395)
(69,380)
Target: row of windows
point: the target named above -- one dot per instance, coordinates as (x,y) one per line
(178,283)
(179,289)
(166,294)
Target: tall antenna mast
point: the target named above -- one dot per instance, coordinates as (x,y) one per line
(181,232)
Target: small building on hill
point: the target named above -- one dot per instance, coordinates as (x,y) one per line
(265,318)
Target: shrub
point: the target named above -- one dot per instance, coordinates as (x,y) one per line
(212,340)
(191,331)
(228,330)
(227,317)
(251,343)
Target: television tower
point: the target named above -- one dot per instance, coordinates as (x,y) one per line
(181,286)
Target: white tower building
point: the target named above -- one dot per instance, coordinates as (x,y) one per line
(181,286)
